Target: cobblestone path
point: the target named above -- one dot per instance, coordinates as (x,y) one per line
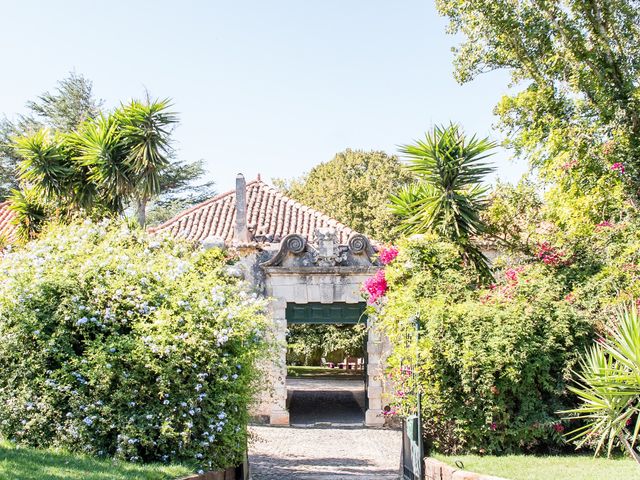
(289,453)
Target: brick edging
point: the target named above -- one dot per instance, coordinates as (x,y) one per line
(437,470)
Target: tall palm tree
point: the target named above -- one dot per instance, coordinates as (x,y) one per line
(447,196)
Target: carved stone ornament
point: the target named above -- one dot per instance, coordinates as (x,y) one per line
(325,251)
(292,243)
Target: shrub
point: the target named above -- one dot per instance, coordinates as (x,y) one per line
(494,362)
(120,344)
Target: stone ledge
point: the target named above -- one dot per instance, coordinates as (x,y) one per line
(437,470)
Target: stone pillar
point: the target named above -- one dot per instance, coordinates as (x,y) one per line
(279,414)
(375,375)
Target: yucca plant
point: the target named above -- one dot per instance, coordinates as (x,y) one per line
(447,196)
(106,164)
(30,213)
(608,387)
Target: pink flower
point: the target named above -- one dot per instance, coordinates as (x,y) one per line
(400,393)
(549,255)
(493,426)
(376,286)
(558,427)
(570,298)
(569,165)
(388,255)
(511,274)
(605,224)
(618,167)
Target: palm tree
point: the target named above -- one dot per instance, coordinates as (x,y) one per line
(107,163)
(30,213)
(608,387)
(146,130)
(447,196)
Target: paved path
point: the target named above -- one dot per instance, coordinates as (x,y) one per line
(347,450)
(326,402)
(289,453)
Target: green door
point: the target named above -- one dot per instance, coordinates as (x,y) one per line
(324,313)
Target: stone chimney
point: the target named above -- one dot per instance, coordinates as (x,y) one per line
(241,234)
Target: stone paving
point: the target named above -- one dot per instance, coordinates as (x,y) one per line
(311,450)
(289,453)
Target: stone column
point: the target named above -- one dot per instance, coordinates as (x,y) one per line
(279,414)
(375,375)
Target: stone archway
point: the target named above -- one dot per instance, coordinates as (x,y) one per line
(324,273)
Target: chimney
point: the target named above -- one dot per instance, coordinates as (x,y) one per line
(241,231)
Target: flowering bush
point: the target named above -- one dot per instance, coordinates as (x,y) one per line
(375,286)
(116,343)
(388,255)
(493,361)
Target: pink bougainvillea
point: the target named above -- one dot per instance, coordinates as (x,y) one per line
(376,286)
(558,427)
(569,165)
(388,254)
(605,224)
(618,167)
(550,255)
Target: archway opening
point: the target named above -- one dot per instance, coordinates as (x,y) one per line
(326,364)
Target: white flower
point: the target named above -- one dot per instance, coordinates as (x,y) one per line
(88,421)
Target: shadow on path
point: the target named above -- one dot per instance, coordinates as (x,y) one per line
(314,401)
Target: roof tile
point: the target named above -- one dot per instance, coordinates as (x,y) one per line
(269,212)
(8,228)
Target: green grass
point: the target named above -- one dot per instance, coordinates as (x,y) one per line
(306,371)
(529,467)
(17,463)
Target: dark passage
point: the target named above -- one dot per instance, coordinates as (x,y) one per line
(326,401)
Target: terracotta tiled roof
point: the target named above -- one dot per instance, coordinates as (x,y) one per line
(270,216)
(7,227)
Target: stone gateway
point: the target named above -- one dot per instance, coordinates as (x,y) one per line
(305,262)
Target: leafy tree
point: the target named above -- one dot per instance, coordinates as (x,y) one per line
(178,191)
(447,197)
(576,116)
(514,216)
(353,188)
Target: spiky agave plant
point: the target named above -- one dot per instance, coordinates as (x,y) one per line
(608,387)
(448,194)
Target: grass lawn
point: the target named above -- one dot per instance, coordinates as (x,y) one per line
(528,467)
(297,371)
(17,463)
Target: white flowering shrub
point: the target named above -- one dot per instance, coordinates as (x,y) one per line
(116,343)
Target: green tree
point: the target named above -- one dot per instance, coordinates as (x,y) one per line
(64,109)
(353,188)
(576,115)
(103,165)
(447,196)
(179,190)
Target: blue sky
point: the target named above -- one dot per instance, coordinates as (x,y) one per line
(272,87)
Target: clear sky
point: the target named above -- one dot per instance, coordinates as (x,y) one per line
(272,87)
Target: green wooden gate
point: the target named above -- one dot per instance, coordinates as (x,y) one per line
(326,313)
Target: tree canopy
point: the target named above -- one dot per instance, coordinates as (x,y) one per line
(353,188)
(575,108)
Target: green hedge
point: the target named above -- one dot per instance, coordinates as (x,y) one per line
(119,344)
(494,362)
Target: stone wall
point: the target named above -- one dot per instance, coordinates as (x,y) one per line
(436,470)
